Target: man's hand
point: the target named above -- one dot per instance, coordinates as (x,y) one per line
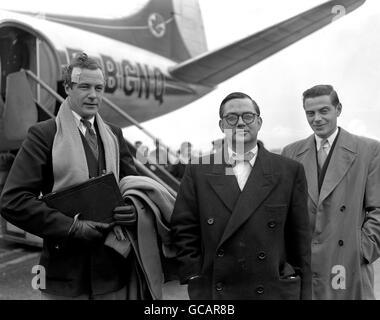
(125,215)
(88,230)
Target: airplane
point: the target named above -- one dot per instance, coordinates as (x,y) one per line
(155,60)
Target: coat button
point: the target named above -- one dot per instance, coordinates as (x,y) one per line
(341,243)
(271,224)
(262,255)
(220,253)
(219,286)
(210,221)
(260,289)
(342,208)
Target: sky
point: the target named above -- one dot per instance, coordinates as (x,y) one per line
(345,54)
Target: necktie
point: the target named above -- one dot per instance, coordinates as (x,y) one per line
(322,153)
(91,137)
(242,167)
(235,158)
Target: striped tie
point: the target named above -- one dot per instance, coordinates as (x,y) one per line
(91,137)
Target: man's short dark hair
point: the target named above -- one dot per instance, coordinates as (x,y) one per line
(81,60)
(322,90)
(237,95)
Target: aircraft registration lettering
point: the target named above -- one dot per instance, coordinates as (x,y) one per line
(159,85)
(110,71)
(145,81)
(142,79)
(131,78)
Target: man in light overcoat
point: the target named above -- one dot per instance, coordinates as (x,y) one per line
(343,176)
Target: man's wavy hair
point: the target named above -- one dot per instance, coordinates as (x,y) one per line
(81,60)
(322,90)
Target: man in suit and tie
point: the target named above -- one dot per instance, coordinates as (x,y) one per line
(59,153)
(343,176)
(240,218)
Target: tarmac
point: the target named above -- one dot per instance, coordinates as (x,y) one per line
(17,261)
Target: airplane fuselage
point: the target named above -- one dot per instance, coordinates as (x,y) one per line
(138,81)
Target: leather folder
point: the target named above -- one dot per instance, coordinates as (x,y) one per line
(94,199)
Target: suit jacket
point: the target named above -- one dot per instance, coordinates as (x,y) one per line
(253,244)
(72,268)
(344,216)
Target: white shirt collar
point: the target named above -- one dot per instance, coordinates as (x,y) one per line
(254,150)
(77,118)
(330,139)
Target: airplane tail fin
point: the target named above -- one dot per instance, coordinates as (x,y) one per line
(171,28)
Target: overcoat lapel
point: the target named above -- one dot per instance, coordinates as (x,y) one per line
(308,157)
(223,182)
(260,183)
(341,160)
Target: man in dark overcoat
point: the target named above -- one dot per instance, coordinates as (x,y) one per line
(57,154)
(240,219)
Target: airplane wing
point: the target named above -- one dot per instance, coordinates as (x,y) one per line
(217,66)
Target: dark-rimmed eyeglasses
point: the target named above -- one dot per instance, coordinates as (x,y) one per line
(233,118)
